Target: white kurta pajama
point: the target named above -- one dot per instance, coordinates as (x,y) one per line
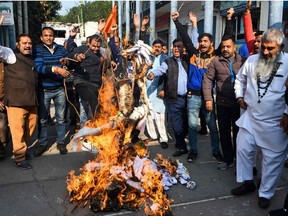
(156,117)
(259,125)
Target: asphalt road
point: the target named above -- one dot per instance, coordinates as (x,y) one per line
(42,190)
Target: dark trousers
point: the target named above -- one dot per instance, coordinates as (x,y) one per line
(227,116)
(202,121)
(70,108)
(178,117)
(88,93)
(4,129)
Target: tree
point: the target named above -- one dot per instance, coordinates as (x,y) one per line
(92,11)
(42,11)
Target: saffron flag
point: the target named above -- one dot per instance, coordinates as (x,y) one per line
(111,20)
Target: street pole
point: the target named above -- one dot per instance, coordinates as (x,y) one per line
(127,17)
(173,31)
(275,14)
(82,19)
(138,12)
(25,11)
(208,14)
(152,21)
(19,17)
(120,5)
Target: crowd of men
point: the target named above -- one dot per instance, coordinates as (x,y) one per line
(250,95)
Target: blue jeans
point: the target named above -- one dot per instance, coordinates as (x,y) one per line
(44,99)
(178,117)
(194,104)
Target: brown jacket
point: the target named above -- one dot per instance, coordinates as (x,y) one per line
(20,82)
(219,71)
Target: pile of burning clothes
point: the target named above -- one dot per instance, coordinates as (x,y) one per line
(122,176)
(133,182)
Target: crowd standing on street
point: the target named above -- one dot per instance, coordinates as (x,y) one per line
(250,110)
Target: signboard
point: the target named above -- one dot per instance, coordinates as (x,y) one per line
(239,6)
(6,10)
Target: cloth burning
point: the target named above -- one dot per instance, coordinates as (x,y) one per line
(135,182)
(122,176)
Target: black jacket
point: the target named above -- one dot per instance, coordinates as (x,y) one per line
(89,69)
(171,79)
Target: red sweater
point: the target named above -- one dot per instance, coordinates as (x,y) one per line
(248,32)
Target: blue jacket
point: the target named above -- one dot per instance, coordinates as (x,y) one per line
(198,61)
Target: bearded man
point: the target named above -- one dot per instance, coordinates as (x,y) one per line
(260,91)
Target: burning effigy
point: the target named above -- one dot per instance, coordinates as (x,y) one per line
(122,176)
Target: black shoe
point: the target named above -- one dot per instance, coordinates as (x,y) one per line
(263,202)
(218,157)
(62,149)
(245,188)
(40,150)
(164,145)
(179,152)
(24,165)
(192,156)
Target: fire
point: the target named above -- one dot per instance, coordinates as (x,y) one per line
(121,175)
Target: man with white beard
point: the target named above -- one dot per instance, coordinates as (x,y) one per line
(260,90)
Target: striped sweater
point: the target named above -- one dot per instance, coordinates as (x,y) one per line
(44,61)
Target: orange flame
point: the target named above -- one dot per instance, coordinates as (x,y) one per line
(109,181)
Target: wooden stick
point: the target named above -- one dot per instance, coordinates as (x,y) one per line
(70,59)
(181,6)
(86,51)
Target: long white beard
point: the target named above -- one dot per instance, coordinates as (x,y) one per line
(265,67)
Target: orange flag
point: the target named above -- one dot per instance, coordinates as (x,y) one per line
(111,20)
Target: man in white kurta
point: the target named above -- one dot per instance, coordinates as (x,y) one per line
(262,98)
(155,124)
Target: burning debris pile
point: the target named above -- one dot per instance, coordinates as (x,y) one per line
(122,176)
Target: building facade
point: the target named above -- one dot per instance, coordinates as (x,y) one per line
(210,14)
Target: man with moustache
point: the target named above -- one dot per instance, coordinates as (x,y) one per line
(87,73)
(222,70)
(20,98)
(155,93)
(260,91)
(175,88)
(199,60)
(48,58)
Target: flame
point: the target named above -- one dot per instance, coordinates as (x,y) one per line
(121,176)
(169,165)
